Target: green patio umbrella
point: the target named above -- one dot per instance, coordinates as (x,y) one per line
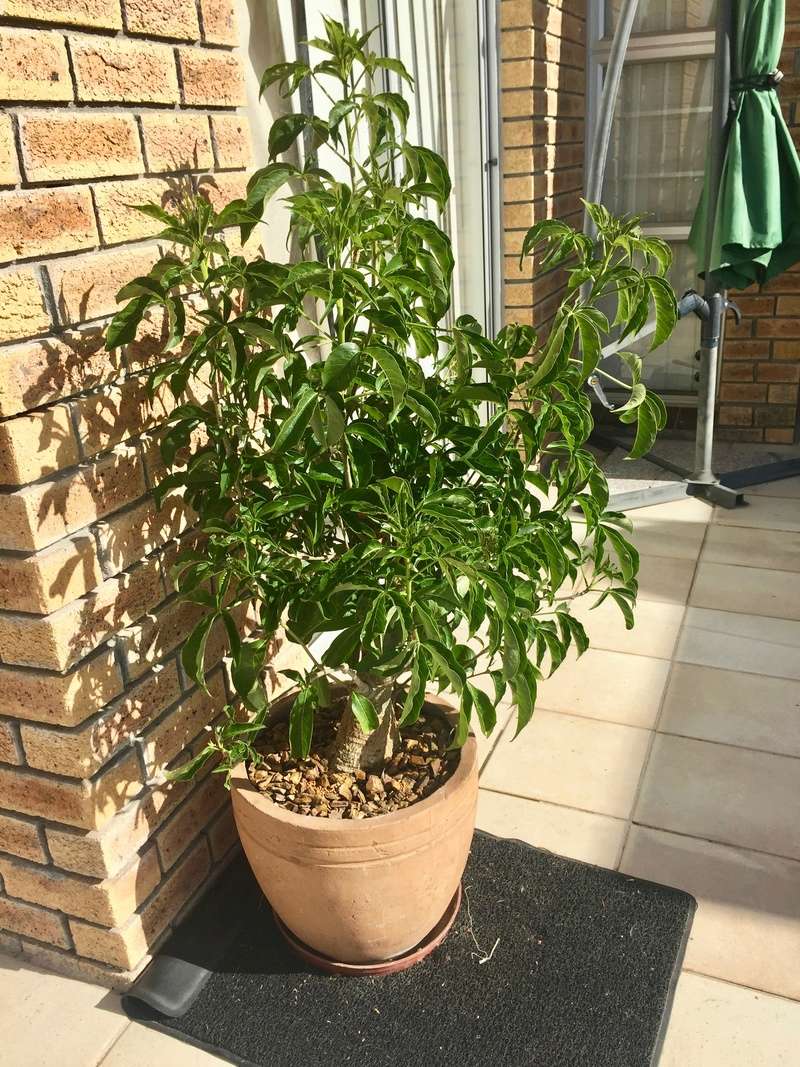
(756,231)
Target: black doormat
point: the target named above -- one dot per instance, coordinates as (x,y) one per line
(550,963)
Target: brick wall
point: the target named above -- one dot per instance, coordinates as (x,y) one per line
(761,358)
(542,79)
(102,106)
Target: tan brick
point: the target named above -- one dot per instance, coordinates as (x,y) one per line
(85,287)
(119,219)
(158,634)
(176,141)
(64,699)
(219,22)
(778,328)
(8,744)
(232,140)
(786,350)
(9,169)
(71,966)
(169,737)
(124,946)
(189,821)
(731,415)
(780,437)
(46,580)
(114,414)
(779,372)
(752,306)
(33,66)
(22,308)
(782,394)
(21,837)
(32,446)
(111,901)
(788,305)
(36,515)
(220,189)
(80,753)
(39,372)
(163,18)
(743,391)
(737,372)
(96,14)
(135,533)
(103,853)
(222,834)
(57,146)
(58,640)
(211,78)
(775,415)
(77,803)
(744,349)
(30,921)
(112,69)
(40,222)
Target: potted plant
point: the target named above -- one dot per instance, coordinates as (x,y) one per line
(391,488)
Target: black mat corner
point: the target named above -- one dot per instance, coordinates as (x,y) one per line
(581,973)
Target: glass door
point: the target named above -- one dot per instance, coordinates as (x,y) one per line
(657,149)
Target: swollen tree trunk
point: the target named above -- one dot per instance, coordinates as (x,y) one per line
(355,750)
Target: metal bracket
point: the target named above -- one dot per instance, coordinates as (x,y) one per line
(715,493)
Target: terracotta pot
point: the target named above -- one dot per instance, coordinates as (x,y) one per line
(364,890)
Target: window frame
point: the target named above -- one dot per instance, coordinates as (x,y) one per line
(642,48)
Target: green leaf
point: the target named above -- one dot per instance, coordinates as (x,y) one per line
(192,767)
(364,712)
(122,328)
(524,698)
(293,426)
(339,368)
(392,371)
(284,132)
(415,696)
(301,723)
(194,648)
(485,709)
(663,297)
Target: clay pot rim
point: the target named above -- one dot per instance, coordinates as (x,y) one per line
(240,781)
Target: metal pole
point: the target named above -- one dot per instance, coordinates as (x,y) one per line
(491,148)
(715,296)
(605,112)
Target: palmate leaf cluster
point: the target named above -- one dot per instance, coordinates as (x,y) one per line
(365,467)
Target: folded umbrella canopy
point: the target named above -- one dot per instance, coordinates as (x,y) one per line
(756,232)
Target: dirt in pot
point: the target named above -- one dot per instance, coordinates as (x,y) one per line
(420,765)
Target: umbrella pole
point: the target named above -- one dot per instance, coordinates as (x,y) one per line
(703,481)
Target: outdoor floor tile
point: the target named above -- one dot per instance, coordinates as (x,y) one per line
(486,744)
(752,589)
(747,926)
(732,795)
(140,1045)
(717,1024)
(750,710)
(789,487)
(763,513)
(654,634)
(47,1020)
(736,641)
(664,579)
(612,686)
(773,549)
(584,764)
(655,535)
(578,835)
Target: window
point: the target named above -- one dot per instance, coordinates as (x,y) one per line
(657,150)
